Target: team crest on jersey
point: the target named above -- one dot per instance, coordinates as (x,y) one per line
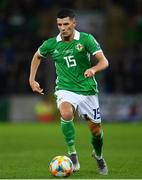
(79,47)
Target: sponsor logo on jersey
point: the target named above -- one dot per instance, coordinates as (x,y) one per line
(69,51)
(79,47)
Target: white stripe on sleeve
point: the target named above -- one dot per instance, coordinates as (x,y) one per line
(96,52)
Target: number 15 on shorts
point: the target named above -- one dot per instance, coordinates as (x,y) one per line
(97,113)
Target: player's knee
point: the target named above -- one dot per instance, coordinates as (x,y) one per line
(67,115)
(96,130)
(66,111)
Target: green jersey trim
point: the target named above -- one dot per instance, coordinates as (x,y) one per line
(85,93)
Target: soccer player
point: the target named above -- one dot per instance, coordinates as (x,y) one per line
(76,87)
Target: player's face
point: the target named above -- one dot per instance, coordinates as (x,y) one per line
(66,26)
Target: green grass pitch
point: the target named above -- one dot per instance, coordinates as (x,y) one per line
(27,149)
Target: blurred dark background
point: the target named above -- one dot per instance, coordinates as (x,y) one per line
(25,24)
(116,24)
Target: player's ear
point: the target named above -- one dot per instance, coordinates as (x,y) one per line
(74,22)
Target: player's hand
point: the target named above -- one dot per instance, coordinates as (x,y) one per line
(36,87)
(89,72)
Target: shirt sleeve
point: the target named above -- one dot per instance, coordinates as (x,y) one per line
(92,45)
(44,49)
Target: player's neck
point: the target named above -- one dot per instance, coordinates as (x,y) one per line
(69,38)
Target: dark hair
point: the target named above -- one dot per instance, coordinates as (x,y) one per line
(66,13)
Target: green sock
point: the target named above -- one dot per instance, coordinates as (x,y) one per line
(97,142)
(68,130)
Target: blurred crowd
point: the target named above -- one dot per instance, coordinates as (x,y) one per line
(25,24)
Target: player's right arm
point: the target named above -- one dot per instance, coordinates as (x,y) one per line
(33,70)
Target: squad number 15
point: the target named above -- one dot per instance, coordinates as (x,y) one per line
(70,61)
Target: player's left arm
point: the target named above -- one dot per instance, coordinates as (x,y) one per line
(102,63)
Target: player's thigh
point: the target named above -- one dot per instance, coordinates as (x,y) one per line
(66,110)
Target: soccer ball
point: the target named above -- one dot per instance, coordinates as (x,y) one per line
(61,166)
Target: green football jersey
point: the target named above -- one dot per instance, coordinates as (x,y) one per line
(71,60)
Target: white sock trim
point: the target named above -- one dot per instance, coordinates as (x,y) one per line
(66,121)
(72,153)
(98,157)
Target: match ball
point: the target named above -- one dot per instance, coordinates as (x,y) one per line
(61,166)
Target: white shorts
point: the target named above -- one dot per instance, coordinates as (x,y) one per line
(85,104)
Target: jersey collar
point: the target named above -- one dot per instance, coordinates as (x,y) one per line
(76,36)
